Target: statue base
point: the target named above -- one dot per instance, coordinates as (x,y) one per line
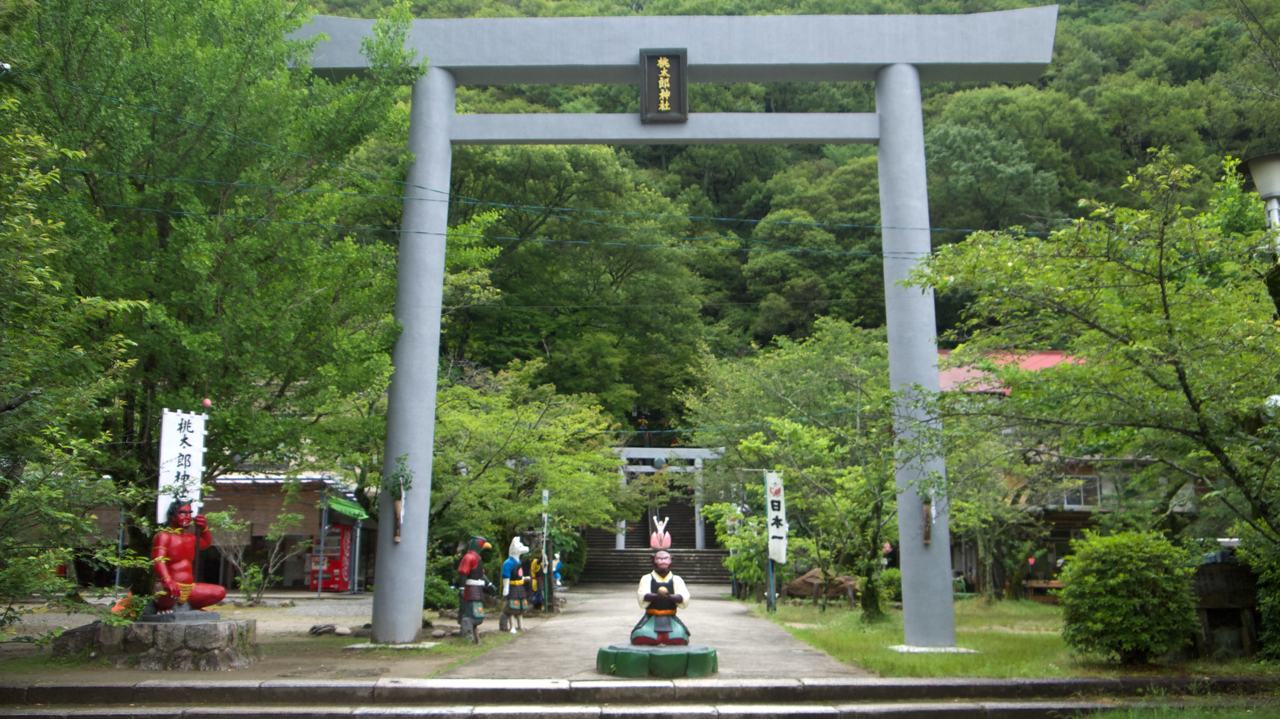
(166,645)
(667,662)
(180,613)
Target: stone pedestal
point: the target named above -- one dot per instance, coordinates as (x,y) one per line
(179,646)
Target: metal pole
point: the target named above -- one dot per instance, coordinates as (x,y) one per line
(119,540)
(324,532)
(195,557)
(546,559)
(355,559)
(772,599)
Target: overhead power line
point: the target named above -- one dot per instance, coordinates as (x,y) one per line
(559,211)
(403,197)
(340,228)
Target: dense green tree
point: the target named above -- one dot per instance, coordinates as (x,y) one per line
(199,139)
(55,382)
(819,411)
(839,196)
(501,439)
(593,272)
(1171,326)
(980,180)
(785,272)
(1059,134)
(994,493)
(1253,76)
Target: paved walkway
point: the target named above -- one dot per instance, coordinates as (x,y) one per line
(564,646)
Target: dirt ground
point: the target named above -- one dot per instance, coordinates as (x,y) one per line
(289,650)
(562,645)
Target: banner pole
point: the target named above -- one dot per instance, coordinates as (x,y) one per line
(773,597)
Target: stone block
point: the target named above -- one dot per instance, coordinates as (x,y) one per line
(111,638)
(181,660)
(241,660)
(13,693)
(152,660)
(208,636)
(472,691)
(80,691)
(383,712)
(139,637)
(201,692)
(920,710)
(78,640)
(535,711)
(789,711)
(683,711)
(741,690)
(247,632)
(214,660)
(169,637)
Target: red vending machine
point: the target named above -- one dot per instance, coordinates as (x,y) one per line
(334,557)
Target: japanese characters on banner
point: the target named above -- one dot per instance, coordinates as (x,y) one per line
(181,459)
(776,511)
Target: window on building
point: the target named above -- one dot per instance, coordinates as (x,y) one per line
(1084,492)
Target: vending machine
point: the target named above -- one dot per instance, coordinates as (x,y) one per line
(331,559)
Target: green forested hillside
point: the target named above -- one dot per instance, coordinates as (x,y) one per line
(725,248)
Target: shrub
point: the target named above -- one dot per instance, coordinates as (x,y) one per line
(438,594)
(251,582)
(891,580)
(1127,596)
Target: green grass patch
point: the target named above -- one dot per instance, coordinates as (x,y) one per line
(463,651)
(301,646)
(1252,708)
(1013,639)
(44,662)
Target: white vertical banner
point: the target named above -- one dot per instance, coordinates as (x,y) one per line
(181,459)
(776,511)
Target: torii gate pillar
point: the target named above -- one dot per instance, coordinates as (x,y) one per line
(924,542)
(400,568)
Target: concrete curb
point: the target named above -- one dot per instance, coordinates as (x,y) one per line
(514,693)
(904,710)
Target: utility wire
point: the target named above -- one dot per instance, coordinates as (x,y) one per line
(154,110)
(558,211)
(512,239)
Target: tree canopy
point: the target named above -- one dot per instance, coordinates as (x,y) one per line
(190,213)
(1170,328)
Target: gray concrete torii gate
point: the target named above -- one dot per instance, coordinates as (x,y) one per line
(897,52)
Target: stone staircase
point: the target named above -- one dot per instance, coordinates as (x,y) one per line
(626,566)
(607,565)
(962,698)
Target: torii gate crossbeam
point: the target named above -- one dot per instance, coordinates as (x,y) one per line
(898,52)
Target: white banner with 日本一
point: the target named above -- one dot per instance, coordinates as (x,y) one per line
(181,459)
(776,511)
